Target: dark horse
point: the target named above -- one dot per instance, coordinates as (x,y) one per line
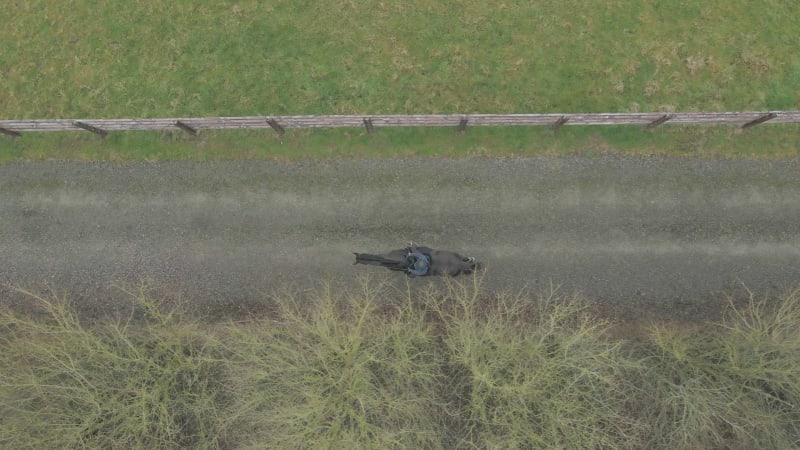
(422,261)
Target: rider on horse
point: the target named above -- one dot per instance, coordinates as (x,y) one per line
(418,263)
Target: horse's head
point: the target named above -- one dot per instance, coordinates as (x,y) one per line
(470,265)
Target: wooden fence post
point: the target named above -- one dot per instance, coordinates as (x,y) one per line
(98,131)
(276,126)
(761,119)
(659,121)
(462,125)
(368,125)
(561,121)
(185,127)
(12,133)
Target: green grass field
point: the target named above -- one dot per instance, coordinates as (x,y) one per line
(451,367)
(79,59)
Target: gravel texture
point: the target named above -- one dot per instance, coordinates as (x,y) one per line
(663,236)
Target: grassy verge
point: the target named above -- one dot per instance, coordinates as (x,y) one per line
(769,141)
(78,59)
(451,367)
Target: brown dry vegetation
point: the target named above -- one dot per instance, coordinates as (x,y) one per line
(451,367)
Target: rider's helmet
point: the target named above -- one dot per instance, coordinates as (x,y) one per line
(420,265)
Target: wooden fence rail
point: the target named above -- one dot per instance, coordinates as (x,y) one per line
(460,122)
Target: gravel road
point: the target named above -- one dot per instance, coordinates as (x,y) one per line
(669,235)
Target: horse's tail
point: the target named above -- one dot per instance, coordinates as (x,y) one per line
(376,260)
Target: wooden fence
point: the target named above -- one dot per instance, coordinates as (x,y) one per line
(460,122)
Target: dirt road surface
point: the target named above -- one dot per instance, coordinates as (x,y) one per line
(665,236)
